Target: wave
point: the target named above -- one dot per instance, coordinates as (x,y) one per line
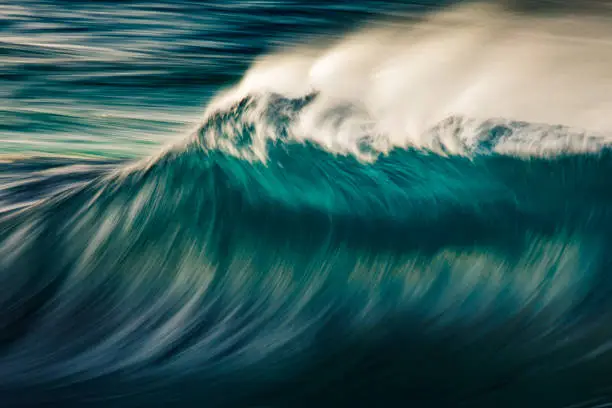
(298,250)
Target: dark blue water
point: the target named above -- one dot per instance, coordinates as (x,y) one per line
(415,214)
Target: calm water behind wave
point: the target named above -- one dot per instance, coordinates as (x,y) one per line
(117,79)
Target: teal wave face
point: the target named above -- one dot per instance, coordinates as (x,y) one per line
(309,278)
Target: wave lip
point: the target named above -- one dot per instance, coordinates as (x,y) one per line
(248,127)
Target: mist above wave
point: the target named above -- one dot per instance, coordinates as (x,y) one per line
(456,72)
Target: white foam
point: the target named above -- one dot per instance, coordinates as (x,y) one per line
(477,62)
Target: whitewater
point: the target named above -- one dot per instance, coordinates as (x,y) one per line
(391,84)
(416,214)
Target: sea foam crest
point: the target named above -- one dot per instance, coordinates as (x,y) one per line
(248,128)
(465,81)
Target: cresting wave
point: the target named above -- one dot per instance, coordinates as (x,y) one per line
(396,82)
(320,245)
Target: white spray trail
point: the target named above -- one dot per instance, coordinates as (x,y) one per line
(474,62)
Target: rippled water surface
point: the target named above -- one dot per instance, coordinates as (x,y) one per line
(119,78)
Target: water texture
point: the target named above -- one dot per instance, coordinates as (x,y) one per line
(290,204)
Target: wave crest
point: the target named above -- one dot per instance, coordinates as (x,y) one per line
(444,83)
(249,127)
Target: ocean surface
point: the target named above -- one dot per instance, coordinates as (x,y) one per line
(305,204)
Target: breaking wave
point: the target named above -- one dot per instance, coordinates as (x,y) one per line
(359,239)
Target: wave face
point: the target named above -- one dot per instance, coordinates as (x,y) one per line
(205,276)
(318,243)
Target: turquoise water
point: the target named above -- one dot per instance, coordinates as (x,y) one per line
(275,204)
